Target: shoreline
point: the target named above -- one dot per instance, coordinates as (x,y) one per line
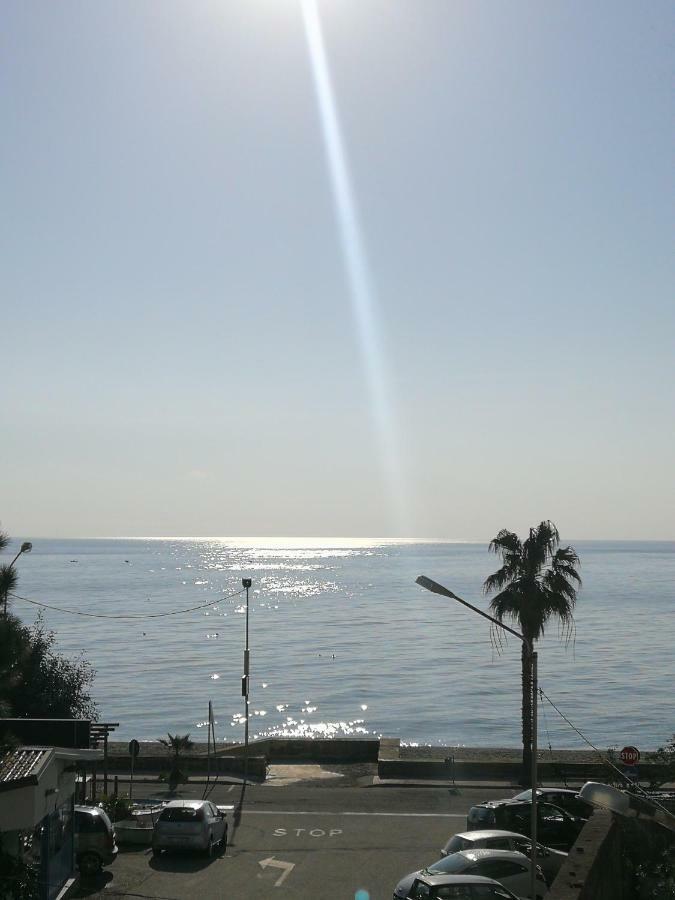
(433,751)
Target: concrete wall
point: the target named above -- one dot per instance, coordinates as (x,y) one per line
(390,766)
(600,863)
(592,870)
(191,765)
(333,750)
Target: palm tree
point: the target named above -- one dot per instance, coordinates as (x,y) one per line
(176,745)
(8,577)
(537,582)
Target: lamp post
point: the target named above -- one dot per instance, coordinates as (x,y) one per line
(26,547)
(607,797)
(246,582)
(436,588)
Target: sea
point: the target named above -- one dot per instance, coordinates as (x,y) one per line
(343,642)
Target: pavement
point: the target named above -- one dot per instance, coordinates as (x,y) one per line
(309,837)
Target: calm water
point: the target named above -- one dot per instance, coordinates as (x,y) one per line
(344,642)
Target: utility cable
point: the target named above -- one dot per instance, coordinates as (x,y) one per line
(174,612)
(604,758)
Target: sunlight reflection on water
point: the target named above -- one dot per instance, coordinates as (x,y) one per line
(360,637)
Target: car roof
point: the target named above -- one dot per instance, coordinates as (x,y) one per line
(490,853)
(187,804)
(549,790)
(433,880)
(483,833)
(493,804)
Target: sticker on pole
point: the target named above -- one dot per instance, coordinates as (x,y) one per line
(630,756)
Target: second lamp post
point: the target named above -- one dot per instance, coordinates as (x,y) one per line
(436,588)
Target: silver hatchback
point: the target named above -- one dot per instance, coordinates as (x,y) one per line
(190,825)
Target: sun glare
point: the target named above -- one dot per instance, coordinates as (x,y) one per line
(362,290)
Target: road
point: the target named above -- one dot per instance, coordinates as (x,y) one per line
(302,841)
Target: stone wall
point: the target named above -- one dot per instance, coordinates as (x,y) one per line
(313,750)
(599,864)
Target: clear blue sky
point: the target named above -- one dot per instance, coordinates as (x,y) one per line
(182,353)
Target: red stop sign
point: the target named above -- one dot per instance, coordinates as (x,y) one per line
(630,756)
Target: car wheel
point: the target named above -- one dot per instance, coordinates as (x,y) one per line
(223,840)
(209,846)
(89,864)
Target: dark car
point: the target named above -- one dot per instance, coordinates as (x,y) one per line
(555,827)
(565,798)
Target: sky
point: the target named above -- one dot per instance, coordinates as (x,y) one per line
(344,267)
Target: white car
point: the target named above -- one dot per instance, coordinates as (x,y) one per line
(549,860)
(190,825)
(458,887)
(508,868)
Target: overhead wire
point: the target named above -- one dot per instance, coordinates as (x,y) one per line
(604,758)
(78,612)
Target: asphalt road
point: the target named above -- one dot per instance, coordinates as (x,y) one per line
(302,841)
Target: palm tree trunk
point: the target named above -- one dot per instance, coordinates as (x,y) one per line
(526,662)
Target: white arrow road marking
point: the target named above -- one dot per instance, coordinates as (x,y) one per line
(279,864)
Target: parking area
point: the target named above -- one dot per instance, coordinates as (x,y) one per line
(318,843)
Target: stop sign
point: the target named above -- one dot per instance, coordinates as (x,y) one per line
(630,756)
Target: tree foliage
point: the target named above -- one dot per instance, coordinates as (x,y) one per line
(664,758)
(36,681)
(176,745)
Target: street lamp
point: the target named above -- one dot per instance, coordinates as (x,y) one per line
(246,582)
(436,588)
(26,547)
(607,797)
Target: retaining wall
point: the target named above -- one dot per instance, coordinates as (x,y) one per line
(331,750)
(190,764)
(602,862)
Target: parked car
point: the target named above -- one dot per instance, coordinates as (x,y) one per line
(510,869)
(565,798)
(555,827)
(94,835)
(190,825)
(548,859)
(458,887)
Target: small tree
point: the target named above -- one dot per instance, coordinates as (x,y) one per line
(664,757)
(176,745)
(36,681)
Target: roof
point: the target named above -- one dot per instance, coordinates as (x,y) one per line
(20,766)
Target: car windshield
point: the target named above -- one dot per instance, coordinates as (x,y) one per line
(457,843)
(480,814)
(181,814)
(449,865)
